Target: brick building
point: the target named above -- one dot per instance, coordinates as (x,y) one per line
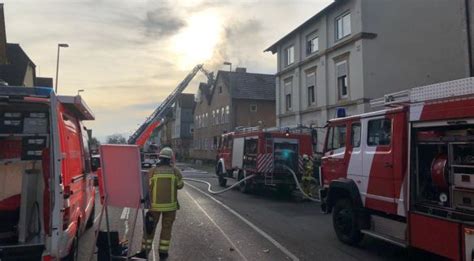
(236,99)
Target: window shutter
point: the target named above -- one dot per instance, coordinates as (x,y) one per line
(288,87)
(311,79)
(341,69)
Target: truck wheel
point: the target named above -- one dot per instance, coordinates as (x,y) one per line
(90,221)
(344,220)
(244,187)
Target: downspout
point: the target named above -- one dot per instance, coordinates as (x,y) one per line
(469,37)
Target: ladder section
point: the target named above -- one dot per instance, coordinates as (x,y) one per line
(444,90)
(166,105)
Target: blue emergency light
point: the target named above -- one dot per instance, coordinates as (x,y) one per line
(340,112)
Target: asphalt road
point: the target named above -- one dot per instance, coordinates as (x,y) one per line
(236,226)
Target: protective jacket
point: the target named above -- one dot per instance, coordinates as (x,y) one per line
(164,183)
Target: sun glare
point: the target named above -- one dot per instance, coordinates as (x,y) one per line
(196,42)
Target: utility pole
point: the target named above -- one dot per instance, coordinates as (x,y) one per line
(57,66)
(467,7)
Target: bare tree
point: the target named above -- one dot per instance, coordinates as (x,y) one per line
(116,139)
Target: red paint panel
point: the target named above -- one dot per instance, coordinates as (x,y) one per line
(448,110)
(435,235)
(385,206)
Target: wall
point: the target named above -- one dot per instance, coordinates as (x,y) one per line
(243,116)
(418,43)
(203,137)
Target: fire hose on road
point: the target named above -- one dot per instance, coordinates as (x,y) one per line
(209,185)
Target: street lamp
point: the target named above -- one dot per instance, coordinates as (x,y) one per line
(79,91)
(65,45)
(230,64)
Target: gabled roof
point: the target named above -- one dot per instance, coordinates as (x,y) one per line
(273,47)
(14,72)
(254,86)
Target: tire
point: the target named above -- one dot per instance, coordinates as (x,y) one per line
(344,220)
(90,221)
(73,254)
(244,187)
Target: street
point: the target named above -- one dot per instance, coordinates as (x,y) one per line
(237,226)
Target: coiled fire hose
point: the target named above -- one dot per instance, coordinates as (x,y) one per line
(293,174)
(220,191)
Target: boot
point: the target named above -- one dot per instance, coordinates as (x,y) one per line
(141,254)
(163,255)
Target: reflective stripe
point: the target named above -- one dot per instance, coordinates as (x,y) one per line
(165,248)
(164,242)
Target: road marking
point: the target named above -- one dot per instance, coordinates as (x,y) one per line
(250,224)
(218,227)
(153,250)
(125,213)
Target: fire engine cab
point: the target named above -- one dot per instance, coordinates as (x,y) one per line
(406,174)
(263,152)
(47,192)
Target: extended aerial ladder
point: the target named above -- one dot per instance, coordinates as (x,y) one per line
(141,135)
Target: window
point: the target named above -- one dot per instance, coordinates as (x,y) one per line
(342,79)
(223,116)
(227,114)
(355,135)
(288,102)
(310,83)
(310,95)
(218,117)
(220,89)
(337,137)
(253,107)
(213,117)
(289,55)
(288,91)
(312,44)
(343,26)
(379,132)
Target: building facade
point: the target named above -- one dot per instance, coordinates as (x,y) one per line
(356,50)
(237,99)
(181,134)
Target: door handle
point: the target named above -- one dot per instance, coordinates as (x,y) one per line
(388,165)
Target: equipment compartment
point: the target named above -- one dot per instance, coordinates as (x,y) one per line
(443,169)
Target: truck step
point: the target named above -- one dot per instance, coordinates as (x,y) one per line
(390,239)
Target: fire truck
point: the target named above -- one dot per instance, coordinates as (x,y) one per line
(405,174)
(47,193)
(263,152)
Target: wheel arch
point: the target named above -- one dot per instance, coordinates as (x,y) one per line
(343,188)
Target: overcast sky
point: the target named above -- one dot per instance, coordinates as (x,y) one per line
(128,55)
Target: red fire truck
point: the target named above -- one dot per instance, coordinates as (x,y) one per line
(262,152)
(47,195)
(406,174)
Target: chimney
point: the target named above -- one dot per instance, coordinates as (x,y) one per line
(3,37)
(241,69)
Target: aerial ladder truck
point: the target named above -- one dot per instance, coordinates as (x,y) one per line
(143,133)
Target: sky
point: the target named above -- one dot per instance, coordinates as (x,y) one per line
(128,55)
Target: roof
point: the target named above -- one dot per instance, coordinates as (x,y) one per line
(205,91)
(273,47)
(243,85)
(14,72)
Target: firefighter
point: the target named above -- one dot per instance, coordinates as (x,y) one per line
(163,203)
(308,179)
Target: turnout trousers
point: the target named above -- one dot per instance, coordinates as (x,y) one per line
(151,221)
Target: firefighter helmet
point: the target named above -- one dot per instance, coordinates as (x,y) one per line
(166,153)
(305,157)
